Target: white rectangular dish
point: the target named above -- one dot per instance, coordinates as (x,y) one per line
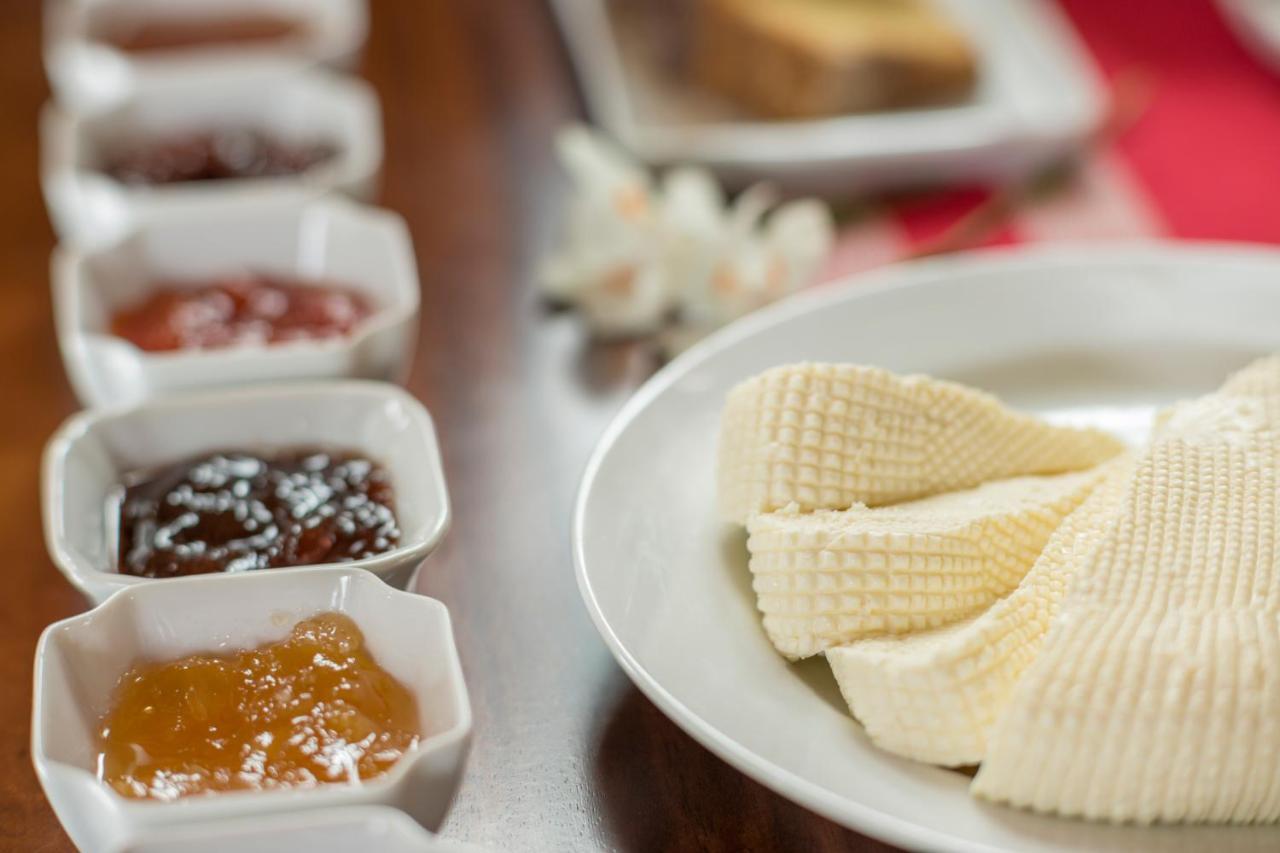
(1038,97)
(88,456)
(79,661)
(88,207)
(86,72)
(291,235)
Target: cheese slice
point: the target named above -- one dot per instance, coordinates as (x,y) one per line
(1259,380)
(829,436)
(934,695)
(827,578)
(1156,696)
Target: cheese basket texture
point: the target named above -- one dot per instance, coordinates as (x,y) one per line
(1160,653)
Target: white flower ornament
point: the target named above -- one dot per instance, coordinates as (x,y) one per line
(635,256)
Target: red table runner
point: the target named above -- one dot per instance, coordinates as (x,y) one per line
(1201,159)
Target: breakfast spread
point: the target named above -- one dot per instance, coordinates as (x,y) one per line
(313,709)
(211,155)
(237,310)
(1094,628)
(165,33)
(811,58)
(241,511)
(1125,667)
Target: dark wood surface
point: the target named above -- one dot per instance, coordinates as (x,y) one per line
(567,755)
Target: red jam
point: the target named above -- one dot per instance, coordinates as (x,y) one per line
(237,512)
(148,35)
(232,153)
(250,309)
(311,710)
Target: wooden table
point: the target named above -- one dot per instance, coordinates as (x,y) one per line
(568,755)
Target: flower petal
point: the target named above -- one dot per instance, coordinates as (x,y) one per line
(596,164)
(630,299)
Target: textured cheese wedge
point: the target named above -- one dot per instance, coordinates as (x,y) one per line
(934,695)
(829,436)
(1260,380)
(1249,395)
(1156,696)
(827,578)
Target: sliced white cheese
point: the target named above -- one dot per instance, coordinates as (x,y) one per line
(829,436)
(933,696)
(1156,696)
(828,578)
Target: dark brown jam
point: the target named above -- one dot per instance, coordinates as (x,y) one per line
(237,512)
(150,35)
(212,155)
(246,309)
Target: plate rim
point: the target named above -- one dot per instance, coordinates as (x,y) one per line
(901,275)
(1257,32)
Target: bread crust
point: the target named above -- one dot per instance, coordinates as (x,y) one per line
(812,58)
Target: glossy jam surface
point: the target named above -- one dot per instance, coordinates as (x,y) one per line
(246,309)
(310,710)
(236,512)
(153,34)
(211,155)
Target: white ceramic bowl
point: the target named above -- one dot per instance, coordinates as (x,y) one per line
(79,660)
(88,207)
(330,240)
(85,72)
(87,457)
(373,828)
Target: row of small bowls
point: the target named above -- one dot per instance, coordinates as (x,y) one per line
(148,409)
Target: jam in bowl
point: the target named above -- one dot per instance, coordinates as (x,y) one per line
(150,34)
(250,308)
(239,511)
(312,709)
(211,155)
(144,718)
(245,482)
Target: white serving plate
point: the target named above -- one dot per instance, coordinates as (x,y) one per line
(1257,22)
(372,828)
(79,661)
(1082,335)
(1038,97)
(86,73)
(88,208)
(331,240)
(89,454)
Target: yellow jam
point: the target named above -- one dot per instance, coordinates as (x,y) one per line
(310,710)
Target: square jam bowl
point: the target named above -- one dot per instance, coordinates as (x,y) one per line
(79,661)
(89,456)
(332,240)
(88,207)
(86,71)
